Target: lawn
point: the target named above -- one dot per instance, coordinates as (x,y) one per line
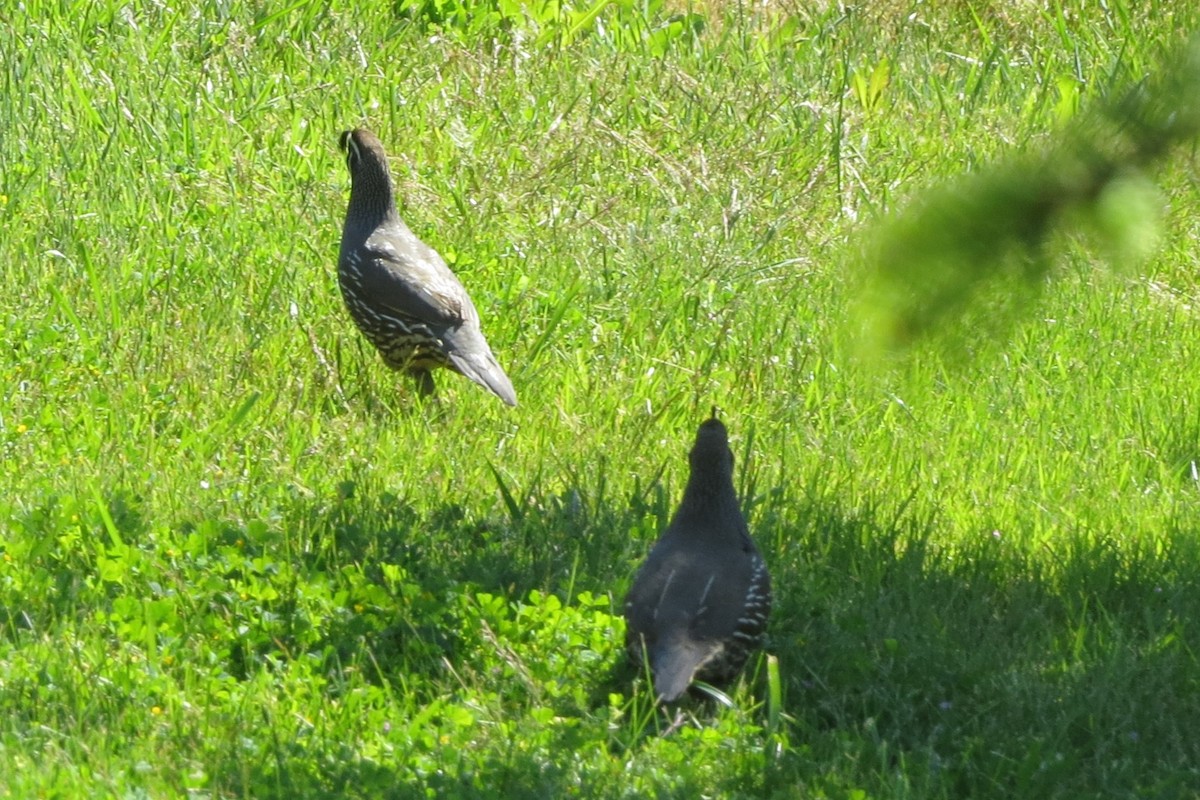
(240,558)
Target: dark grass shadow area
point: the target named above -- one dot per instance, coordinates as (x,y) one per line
(540,538)
(973,670)
(403,584)
(987,670)
(991,668)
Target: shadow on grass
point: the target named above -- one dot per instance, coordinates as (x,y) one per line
(988,667)
(980,669)
(402,587)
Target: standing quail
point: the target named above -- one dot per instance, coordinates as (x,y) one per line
(399,291)
(699,604)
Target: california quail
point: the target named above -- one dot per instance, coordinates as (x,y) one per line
(399,291)
(699,604)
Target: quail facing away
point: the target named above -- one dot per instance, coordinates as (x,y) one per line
(699,604)
(400,292)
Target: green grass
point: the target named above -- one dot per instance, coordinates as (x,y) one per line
(239,559)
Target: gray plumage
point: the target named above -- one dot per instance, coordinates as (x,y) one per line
(399,291)
(699,605)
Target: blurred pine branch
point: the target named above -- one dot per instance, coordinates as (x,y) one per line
(972,254)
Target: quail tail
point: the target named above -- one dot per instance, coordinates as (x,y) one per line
(676,665)
(483,368)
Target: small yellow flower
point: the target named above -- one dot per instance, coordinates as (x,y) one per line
(358,608)
(22,428)
(156,711)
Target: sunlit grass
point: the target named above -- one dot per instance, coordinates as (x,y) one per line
(238,560)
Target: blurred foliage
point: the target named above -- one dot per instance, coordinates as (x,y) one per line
(968,258)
